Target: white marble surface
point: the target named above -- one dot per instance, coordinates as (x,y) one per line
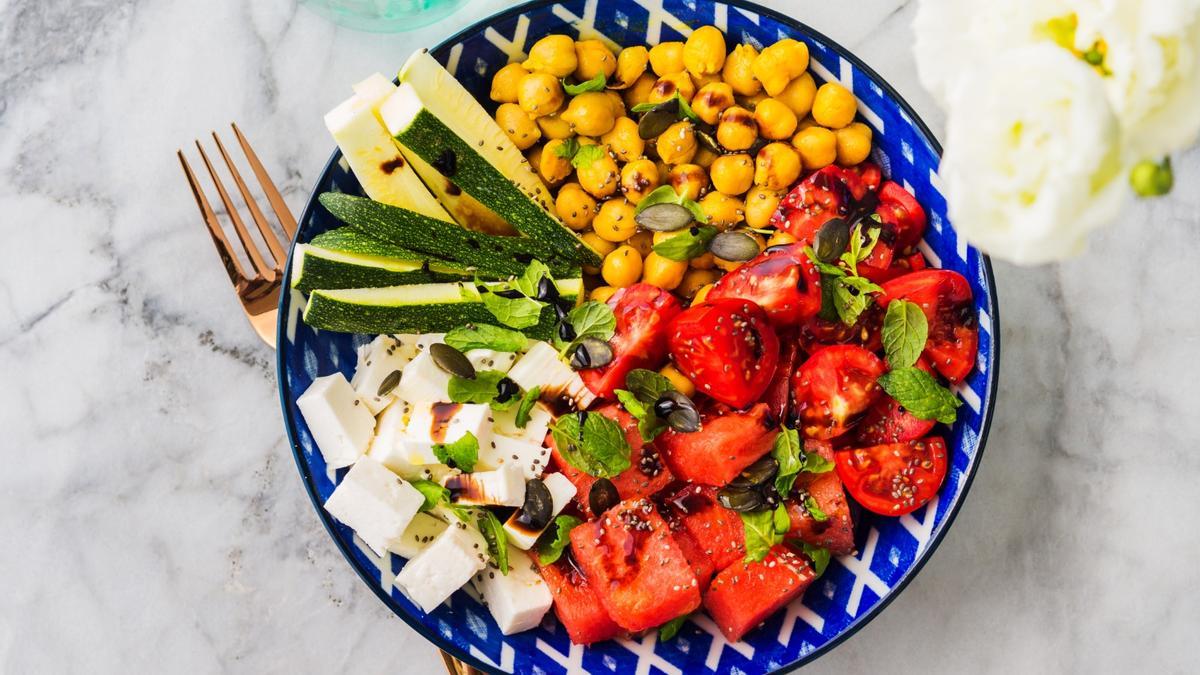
(153,519)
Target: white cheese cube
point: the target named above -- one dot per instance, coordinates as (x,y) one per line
(490,359)
(517,600)
(388,446)
(502,487)
(542,367)
(377,361)
(426,339)
(407,344)
(423,381)
(442,568)
(339,421)
(503,451)
(562,491)
(434,423)
(374,502)
(419,534)
(535,429)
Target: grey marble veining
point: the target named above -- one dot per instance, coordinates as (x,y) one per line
(153,519)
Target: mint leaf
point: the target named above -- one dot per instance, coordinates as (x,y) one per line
(647,385)
(920,394)
(484,388)
(586,155)
(550,550)
(462,453)
(814,509)
(851,296)
(814,463)
(591,319)
(905,330)
(787,452)
(670,629)
(823,267)
(527,402)
(484,336)
(528,282)
(859,251)
(666,194)
(649,424)
(434,494)
(685,110)
(688,244)
(567,149)
(764,529)
(497,539)
(596,445)
(520,312)
(819,557)
(597,83)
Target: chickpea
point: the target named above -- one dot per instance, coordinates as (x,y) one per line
(853,143)
(639,91)
(666,58)
(593,58)
(554,126)
(701,294)
(575,207)
(834,106)
(761,204)
(722,210)
(622,267)
(703,262)
(737,129)
(817,146)
(602,293)
(552,166)
(643,241)
(553,55)
(689,180)
(799,93)
(506,82)
(601,246)
(590,113)
(730,265)
(732,174)
(704,51)
(677,145)
(615,220)
(751,102)
(533,157)
(663,272)
(678,380)
(539,94)
(711,101)
(739,70)
(777,166)
(775,120)
(617,103)
(704,156)
(518,126)
(624,141)
(779,64)
(781,238)
(599,177)
(638,179)
(667,85)
(631,63)
(692,281)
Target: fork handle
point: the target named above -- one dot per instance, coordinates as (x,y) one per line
(456,667)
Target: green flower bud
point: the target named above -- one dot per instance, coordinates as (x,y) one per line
(1152,179)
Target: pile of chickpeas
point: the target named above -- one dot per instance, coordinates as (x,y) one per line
(772,123)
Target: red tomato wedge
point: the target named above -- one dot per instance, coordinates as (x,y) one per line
(716,530)
(779,393)
(744,594)
(643,313)
(645,475)
(727,348)
(836,533)
(900,210)
(833,388)
(781,280)
(896,478)
(870,174)
(640,574)
(576,603)
(826,194)
(945,298)
(728,441)
(899,267)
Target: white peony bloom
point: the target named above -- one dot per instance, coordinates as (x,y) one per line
(1034,156)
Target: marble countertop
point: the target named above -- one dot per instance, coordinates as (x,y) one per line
(153,517)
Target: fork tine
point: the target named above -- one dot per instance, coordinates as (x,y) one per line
(267,273)
(264,228)
(286,220)
(232,266)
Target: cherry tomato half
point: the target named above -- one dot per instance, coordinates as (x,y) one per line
(833,388)
(900,210)
(896,478)
(825,194)
(945,298)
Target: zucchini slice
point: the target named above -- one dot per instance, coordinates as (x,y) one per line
(315,268)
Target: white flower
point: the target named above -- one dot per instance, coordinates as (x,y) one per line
(1034,156)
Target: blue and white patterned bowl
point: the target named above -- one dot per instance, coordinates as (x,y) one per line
(892,550)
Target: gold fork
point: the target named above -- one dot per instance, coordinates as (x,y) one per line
(258,292)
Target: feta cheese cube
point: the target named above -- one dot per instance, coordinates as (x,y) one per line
(339,421)
(542,367)
(535,429)
(490,359)
(377,361)
(374,502)
(388,446)
(426,339)
(562,491)
(443,567)
(502,487)
(406,344)
(431,424)
(423,381)
(419,534)
(503,451)
(517,600)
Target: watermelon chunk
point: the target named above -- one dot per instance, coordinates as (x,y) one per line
(717,530)
(836,533)
(576,604)
(744,594)
(728,441)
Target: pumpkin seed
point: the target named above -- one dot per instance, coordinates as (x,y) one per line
(566,332)
(684,420)
(603,496)
(547,291)
(756,474)
(451,360)
(665,217)
(707,135)
(389,383)
(664,407)
(734,246)
(506,389)
(831,240)
(591,353)
(539,506)
(657,119)
(742,501)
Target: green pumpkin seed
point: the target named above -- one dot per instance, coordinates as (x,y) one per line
(603,496)
(742,501)
(756,474)
(665,217)
(451,360)
(538,509)
(658,119)
(831,240)
(735,246)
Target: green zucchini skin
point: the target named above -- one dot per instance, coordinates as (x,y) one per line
(350,240)
(319,272)
(408,229)
(430,138)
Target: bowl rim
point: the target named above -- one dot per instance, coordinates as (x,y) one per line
(442,643)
